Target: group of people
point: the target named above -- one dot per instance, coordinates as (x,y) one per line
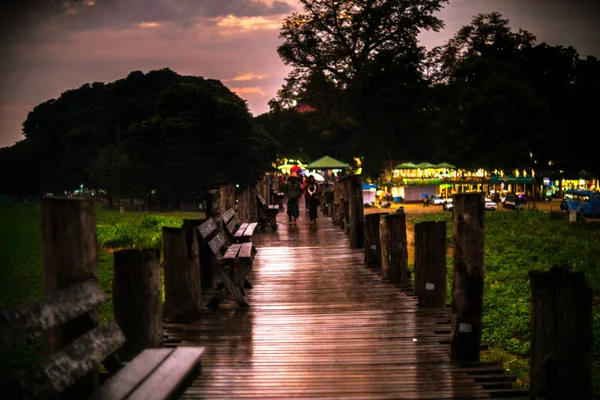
(294,189)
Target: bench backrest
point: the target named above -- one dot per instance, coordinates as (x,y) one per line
(67,365)
(230,222)
(261,200)
(209,231)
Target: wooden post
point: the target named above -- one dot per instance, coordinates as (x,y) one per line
(252,204)
(137,299)
(357,221)
(70,257)
(467,292)
(204,253)
(212,204)
(242,207)
(394,249)
(430,264)
(337,203)
(372,242)
(227,197)
(182,275)
(561,335)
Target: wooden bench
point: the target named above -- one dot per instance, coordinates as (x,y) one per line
(267,213)
(231,264)
(237,232)
(68,372)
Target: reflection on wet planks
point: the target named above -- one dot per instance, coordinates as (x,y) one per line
(323,325)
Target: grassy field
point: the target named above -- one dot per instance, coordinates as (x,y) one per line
(515,243)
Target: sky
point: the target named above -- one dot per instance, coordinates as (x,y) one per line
(50,46)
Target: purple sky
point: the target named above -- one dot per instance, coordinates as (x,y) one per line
(50,46)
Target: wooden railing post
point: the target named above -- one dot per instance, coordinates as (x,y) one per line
(182,275)
(357,220)
(337,203)
(70,257)
(204,253)
(467,292)
(227,197)
(137,299)
(372,240)
(430,264)
(213,204)
(561,335)
(394,249)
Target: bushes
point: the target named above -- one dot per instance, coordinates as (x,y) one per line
(143,231)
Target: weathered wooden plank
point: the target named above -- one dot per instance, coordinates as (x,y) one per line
(66,366)
(207,228)
(216,244)
(166,380)
(249,231)
(126,380)
(232,251)
(137,299)
(240,231)
(245,250)
(20,325)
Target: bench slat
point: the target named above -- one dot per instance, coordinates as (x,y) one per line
(20,325)
(245,250)
(227,216)
(165,380)
(261,200)
(73,361)
(250,229)
(207,228)
(216,244)
(236,220)
(241,230)
(135,372)
(232,251)
(231,227)
(273,207)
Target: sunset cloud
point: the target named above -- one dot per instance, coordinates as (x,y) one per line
(248,90)
(232,24)
(149,25)
(249,77)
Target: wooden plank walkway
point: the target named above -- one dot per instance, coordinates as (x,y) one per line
(323,325)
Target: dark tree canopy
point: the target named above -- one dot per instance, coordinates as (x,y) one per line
(160,131)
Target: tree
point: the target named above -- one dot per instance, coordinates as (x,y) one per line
(340,47)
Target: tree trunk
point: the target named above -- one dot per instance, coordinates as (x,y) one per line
(372,242)
(430,264)
(252,205)
(394,249)
(561,335)
(357,221)
(227,197)
(467,292)
(137,299)
(182,275)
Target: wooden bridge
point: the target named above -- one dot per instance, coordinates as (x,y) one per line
(322,324)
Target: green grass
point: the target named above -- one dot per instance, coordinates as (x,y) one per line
(21,259)
(515,243)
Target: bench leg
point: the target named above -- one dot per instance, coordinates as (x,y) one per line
(273,220)
(230,287)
